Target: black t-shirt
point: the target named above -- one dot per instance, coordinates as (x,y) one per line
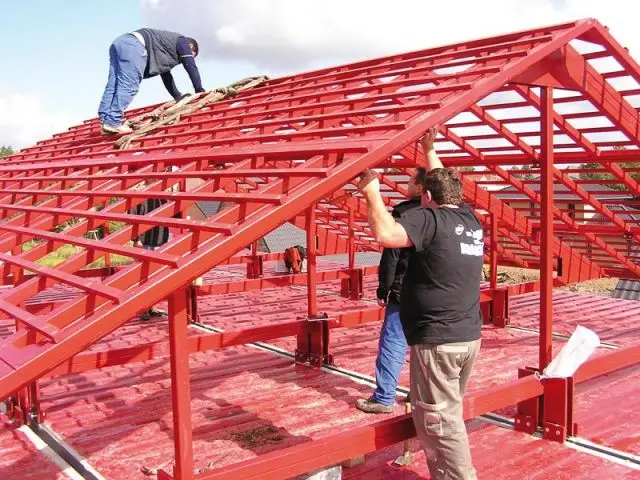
(440,299)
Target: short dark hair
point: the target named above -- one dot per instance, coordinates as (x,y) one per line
(443,183)
(194,45)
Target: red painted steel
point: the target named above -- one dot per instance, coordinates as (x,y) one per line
(546,259)
(334,449)
(290,150)
(20,459)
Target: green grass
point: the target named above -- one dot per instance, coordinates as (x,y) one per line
(64,252)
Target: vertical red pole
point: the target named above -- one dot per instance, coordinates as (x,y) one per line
(494,252)
(311,262)
(546,243)
(106,232)
(180,386)
(352,241)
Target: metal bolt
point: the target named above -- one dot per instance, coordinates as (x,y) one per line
(518,420)
(528,424)
(557,432)
(546,429)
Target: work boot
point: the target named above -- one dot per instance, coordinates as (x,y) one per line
(111,130)
(367,405)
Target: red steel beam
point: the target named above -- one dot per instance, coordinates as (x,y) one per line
(605,364)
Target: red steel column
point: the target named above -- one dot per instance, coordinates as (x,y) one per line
(352,240)
(493,257)
(180,386)
(311,262)
(546,240)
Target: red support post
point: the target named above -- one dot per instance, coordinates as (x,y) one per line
(494,252)
(312,305)
(180,386)
(352,241)
(528,411)
(255,267)
(557,421)
(546,246)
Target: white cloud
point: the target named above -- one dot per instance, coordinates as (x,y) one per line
(24,120)
(290,35)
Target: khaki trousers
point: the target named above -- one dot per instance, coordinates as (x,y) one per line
(439,378)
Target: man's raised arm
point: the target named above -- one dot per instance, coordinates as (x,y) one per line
(387,231)
(431,157)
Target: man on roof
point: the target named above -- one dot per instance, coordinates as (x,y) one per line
(144,53)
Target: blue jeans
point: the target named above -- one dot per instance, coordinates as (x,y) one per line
(127,61)
(391,352)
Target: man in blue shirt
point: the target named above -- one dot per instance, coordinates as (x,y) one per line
(144,53)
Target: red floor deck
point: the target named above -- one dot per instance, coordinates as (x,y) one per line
(615,320)
(607,410)
(247,402)
(501,454)
(21,460)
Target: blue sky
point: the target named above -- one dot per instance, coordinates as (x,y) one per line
(56,52)
(62,53)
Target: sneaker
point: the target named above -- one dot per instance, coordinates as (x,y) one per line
(111,130)
(158,312)
(370,406)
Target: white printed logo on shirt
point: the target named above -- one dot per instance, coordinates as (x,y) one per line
(476,248)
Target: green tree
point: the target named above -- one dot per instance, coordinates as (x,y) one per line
(5,151)
(524,176)
(608,176)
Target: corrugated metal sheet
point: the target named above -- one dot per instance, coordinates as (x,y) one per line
(247,402)
(21,460)
(500,454)
(627,289)
(614,320)
(607,410)
(209,208)
(285,236)
(244,402)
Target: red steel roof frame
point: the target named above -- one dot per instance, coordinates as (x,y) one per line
(290,150)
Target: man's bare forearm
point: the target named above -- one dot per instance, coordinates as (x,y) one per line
(380,220)
(433,161)
(386,230)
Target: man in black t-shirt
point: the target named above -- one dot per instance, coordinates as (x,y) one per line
(439,307)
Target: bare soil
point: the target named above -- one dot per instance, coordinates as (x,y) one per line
(511,275)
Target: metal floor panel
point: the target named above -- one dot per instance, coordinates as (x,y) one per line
(607,410)
(244,402)
(614,320)
(500,454)
(21,460)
